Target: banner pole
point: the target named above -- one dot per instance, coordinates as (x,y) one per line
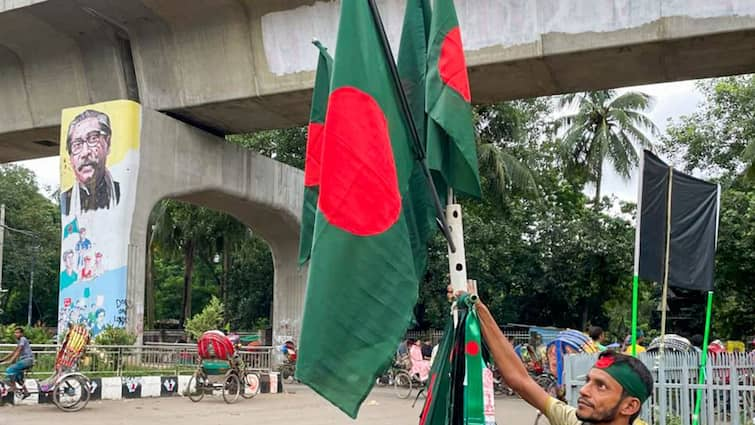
(703,360)
(636,275)
(664,302)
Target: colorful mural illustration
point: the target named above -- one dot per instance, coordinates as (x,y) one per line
(99,163)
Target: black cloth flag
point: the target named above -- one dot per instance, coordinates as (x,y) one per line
(694,226)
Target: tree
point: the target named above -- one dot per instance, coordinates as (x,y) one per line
(605,127)
(714,140)
(28,210)
(718,143)
(505,133)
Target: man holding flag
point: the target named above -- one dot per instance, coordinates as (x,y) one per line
(613,394)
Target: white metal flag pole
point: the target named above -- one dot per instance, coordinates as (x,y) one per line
(457,264)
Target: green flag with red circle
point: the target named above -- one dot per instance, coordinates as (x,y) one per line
(362,284)
(451,147)
(313,155)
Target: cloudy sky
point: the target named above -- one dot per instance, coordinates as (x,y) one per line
(671,100)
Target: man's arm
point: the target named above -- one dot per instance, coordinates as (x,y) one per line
(508,363)
(10,358)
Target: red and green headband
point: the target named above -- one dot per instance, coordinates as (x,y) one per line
(623,373)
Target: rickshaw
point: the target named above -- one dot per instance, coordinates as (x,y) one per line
(68,389)
(220,367)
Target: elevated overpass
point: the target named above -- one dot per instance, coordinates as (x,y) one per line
(230,66)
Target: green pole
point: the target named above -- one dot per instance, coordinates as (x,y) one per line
(703,359)
(635,295)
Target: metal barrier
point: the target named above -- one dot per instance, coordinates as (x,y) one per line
(137,360)
(728,390)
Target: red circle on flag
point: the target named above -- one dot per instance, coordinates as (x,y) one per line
(314,154)
(452,66)
(358,181)
(472,348)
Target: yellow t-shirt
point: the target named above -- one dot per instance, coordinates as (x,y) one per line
(559,413)
(640,349)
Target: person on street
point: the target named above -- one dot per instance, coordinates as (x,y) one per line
(613,393)
(22,359)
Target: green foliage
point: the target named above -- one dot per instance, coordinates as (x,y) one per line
(605,127)
(210,318)
(718,141)
(35,334)
(114,336)
(285,145)
(715,139)
(29,211)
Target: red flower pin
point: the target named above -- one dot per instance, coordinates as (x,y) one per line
(604,362)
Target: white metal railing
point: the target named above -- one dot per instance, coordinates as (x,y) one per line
(134,360)
(728,395)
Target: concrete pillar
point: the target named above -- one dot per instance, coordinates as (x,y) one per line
(181,162)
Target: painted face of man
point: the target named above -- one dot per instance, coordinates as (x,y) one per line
(89,149)
(68,260)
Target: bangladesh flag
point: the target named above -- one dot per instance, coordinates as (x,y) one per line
(455,391)
(71,228)
(314,150)
(412,55)
(362,284)
(451,148)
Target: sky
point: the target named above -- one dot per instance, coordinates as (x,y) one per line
(672,100)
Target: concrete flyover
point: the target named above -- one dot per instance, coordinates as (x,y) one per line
(232,66)
(181,162)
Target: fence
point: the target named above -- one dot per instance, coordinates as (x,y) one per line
(137,360)
(520,334)
(728,395)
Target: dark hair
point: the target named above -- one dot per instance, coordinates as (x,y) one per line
(101,117)
(19,329)
(637,367)
(99,310)
(696,340)
(595,332)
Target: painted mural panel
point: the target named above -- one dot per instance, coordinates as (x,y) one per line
(99,163)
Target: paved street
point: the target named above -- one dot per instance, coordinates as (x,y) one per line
(298,405)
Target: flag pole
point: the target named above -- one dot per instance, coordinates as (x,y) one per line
(706,333)
(664,301)
(636,275)
(703,359)
(419,150)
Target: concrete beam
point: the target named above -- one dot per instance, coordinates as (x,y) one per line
(205,170)
(233,66)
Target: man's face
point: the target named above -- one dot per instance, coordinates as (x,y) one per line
(600,398)
(89,150)
(101,318)
(17,334)
(68,261)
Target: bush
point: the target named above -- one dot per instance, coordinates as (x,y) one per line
(114,336)
(210,318)
(35,334)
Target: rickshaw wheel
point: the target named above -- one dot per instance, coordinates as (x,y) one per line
(196,386)
(251,385)
(402,383)
(71,393)
(231,387)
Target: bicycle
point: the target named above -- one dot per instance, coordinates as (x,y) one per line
(70,391)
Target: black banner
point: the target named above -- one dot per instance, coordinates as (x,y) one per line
(694,213)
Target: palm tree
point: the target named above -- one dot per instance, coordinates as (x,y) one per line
(499,126)
(606,126)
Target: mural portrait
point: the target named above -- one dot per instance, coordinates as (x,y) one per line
(99,162)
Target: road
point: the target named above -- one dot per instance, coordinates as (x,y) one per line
(297,406)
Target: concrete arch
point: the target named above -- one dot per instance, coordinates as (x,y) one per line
(182,162)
